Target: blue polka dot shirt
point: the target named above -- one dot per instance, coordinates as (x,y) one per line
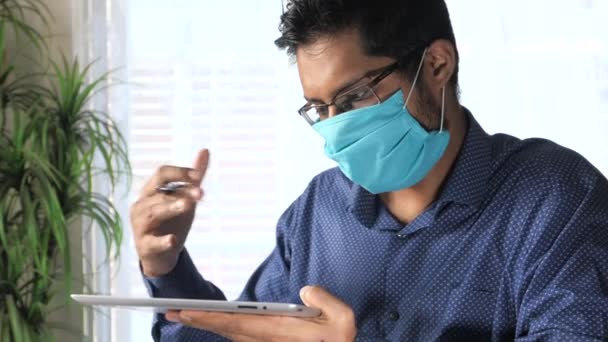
(515,247)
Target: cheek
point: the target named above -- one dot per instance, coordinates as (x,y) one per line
(425,108)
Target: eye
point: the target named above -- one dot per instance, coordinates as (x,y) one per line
(361,94)
(322,112)
(357,98)
(345,106)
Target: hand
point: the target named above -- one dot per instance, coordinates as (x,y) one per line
(161,222)
(336,323)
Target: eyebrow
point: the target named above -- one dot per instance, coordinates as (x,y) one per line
(345,86)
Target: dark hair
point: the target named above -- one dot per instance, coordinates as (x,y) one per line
(400,29)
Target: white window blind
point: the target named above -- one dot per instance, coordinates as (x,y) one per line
(206,74)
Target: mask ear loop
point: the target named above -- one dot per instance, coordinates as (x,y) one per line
(442,110)
(407,100)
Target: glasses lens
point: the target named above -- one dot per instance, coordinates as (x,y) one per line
(356,99)
(312,115)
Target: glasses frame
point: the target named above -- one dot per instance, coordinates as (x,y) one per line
(384,72)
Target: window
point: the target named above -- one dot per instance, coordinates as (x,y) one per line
(206,74)
(231,90)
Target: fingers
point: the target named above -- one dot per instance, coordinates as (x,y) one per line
(253,327)
(337,323)
(241,338)
(174,316)
(150,212)
(161,220)
(168,173)
(201,162)
(331,307)
(155,214)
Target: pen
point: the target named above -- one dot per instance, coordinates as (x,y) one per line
(171,187)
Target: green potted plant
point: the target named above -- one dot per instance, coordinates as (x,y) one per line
(52,147)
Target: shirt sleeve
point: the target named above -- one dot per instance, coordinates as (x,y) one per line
(268,283)
(563,287)
(184,281)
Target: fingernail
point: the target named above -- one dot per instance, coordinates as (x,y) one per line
(170,241)
(186,318)
(172,317)
(304,291)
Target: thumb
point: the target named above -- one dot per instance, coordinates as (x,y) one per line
(201,162)
(318,297)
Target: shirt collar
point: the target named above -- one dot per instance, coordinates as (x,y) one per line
(465,184)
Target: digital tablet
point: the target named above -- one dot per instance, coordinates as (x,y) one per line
(164,304)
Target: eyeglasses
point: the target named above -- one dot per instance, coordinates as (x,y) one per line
(355,98)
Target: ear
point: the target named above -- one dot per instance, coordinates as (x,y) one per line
(440,64)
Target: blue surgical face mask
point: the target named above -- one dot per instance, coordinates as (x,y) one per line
(383,148)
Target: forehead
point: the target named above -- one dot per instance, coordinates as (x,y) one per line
(328,63)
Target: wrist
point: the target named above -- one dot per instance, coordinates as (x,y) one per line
(158,267)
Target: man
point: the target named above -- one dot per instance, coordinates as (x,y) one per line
(430,229)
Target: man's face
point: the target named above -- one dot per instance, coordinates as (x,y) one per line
(330,65)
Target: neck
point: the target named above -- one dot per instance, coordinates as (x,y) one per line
(406,204)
